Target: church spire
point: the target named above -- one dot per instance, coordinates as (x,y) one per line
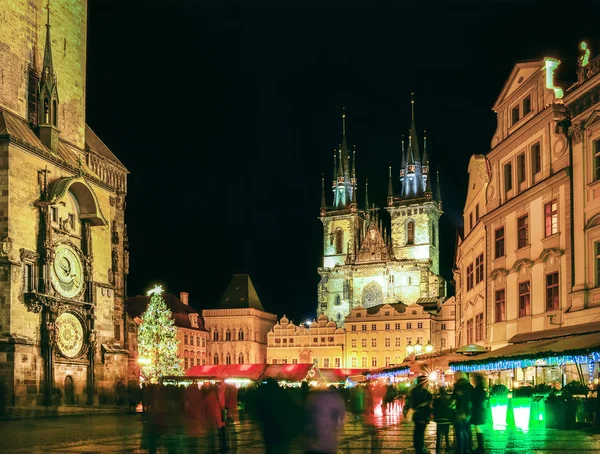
(402,167)
(367,196)
(437,188)
(425,155)
(413,140)
(48,96)
(390,196)
(323,199)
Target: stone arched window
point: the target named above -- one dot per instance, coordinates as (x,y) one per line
(338,300)
(339,241)
(241,336)
(227,335)
(228,359)
(410,232)
(241,358)
(216,359)
(185,338)
(46,111)
(215,336)
(372,295)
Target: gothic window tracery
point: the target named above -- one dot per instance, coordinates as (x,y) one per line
(241,336)
(372,295)
(216,359)
(215,336)
(228,359)
(339,241)
(227,335)
(241,358)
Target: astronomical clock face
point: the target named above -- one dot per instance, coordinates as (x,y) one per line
(67,271)
(69,335)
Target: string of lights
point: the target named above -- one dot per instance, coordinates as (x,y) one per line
(531,361)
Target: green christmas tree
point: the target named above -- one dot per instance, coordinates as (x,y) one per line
(157,340)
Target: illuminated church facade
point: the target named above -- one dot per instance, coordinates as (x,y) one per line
(371,257)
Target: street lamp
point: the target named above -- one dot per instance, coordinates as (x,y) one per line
(409,349)
(418,348)
(429,347)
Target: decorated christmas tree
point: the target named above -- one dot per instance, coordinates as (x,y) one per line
(157,340)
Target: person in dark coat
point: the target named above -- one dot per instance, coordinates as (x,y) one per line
(462,409)
(421,403)
(478,410)
(443,416)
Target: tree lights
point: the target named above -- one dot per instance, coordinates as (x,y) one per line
(157,340)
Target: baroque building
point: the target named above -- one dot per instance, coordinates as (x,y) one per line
(386,334)
(367,261)
(239,325)
(191,334)
(64,255)
(527,261)
(322,343)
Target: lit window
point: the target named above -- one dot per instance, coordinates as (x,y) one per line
(500,304)
(353,361)
(536,158)
(387,361)
(523,231)
(552,301)
(274,360)
(470,331)
(551,217)
(479,327)
(524,299)
(325,362)
(337,362)
(526,105)
(294,360)
(499,242)
(374,361)
(363,361)
(470,276)
(479,269)
(410,232)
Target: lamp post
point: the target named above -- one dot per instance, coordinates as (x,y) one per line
(409,349)
(429,347)
(418,348)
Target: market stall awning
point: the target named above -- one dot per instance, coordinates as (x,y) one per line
(401,369)
(340,375)
(288,372)
(205,371)
(250,371)
(574,349)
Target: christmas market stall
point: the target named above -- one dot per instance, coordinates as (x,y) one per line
(345,377)
(541,377)
(294,374)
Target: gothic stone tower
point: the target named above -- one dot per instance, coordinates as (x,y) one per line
(64,255)
(365,262)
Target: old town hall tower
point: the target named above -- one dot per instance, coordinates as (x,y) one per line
(370,259)
(64,248)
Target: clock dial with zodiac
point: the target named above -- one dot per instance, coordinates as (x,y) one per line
(67,271)
(69,334)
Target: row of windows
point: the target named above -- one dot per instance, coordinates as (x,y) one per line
(386,313)
(337,362)
(471,223)
(478,334)
(478,277)
(520,110)
(387,326)
(189,340)
(229,335)
(228,359)
(536,168)
(387,341)
(315,340)
(189,362)
(550,228)
(552,298)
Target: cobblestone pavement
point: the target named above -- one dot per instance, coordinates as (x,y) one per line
(123,434)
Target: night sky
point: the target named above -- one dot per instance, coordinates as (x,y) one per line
(226,115)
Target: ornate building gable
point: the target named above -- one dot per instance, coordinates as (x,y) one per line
(374,248)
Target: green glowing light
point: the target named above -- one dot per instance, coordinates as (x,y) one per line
(499,411)
(522,413)
(585,57)
(540,417)
(551,65)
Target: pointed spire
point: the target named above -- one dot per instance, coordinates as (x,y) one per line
(438,195)
(367,196)
(344,145)
(411,157)
(428,185)
(390,196)
(403,155)
(354,162)
(335,174)
(413,141)
(340,164)
(323,199)
(425,156)
(48,67)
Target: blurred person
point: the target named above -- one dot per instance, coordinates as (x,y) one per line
(324,419)
(193,417)
(478,410)
(388,399)
(443,416)
(461,397)
(231,407)
(421,403)
(214,417)
(278,417)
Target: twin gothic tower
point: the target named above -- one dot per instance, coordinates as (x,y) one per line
(369,260)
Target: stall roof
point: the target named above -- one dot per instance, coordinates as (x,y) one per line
(289,372)
(251,371)
(558,347)
(340,375)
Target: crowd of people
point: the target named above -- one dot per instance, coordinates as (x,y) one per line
(464,408)
(204,418)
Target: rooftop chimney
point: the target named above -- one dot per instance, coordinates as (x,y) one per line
(184,297)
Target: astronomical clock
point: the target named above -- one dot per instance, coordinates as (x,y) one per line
(63,241)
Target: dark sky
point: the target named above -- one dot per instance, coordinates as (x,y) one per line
(227,114)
